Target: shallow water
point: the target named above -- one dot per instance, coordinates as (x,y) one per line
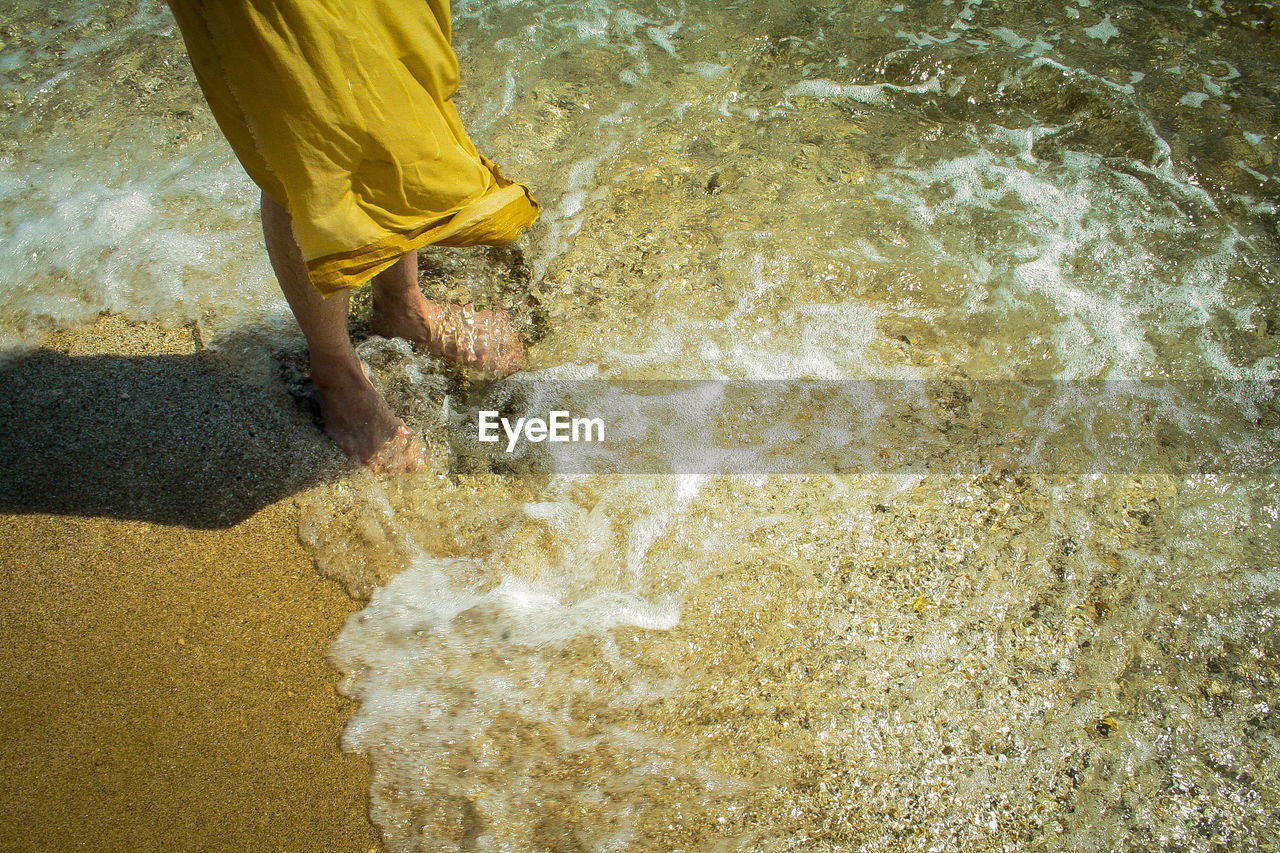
(977,648)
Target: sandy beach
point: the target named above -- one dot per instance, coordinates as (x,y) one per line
(167,683)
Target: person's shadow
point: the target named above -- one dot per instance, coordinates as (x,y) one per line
(173,439)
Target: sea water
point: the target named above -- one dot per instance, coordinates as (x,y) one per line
(1045,226)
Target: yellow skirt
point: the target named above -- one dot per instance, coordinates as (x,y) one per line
(342,111)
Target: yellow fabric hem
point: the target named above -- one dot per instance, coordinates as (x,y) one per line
(479,223)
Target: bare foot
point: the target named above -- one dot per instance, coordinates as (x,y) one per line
(403,453)
(484,341)
(362,424)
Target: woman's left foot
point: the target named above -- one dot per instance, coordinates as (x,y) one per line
(485,341)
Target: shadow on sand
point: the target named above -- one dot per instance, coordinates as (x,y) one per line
(173,439)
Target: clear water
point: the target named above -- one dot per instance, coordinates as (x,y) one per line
(994,657)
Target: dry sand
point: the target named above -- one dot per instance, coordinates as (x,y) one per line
(162,632)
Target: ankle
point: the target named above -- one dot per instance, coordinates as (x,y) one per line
(337,369)
(395,298)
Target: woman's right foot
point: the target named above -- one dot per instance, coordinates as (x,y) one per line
(362,424)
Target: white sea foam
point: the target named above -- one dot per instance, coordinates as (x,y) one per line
(872,93)
(132,246)
(443,630)
(146,232)
(708,70)
(1103,31)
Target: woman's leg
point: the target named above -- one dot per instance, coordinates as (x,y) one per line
(355,415)
(399,308)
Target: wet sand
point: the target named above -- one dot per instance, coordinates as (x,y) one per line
(166,683)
